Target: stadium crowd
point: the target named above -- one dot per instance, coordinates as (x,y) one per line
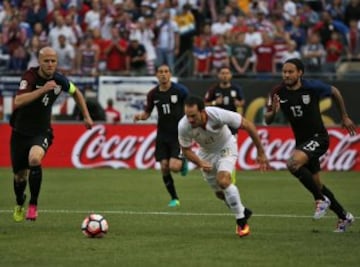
(129,37)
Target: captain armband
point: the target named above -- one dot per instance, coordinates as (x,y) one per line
(72,88)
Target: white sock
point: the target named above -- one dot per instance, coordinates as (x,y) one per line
(232,197)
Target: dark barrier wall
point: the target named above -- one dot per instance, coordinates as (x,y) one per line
(256,92)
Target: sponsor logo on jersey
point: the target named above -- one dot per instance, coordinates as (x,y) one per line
(306,99)
(23,84)
(57,89)
(174,98)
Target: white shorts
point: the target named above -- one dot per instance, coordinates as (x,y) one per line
(223,160)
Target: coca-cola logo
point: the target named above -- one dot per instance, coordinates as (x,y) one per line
(341,157)
(95,149)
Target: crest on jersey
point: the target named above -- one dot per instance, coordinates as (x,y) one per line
(57,89)
(23,84)
(233,93)
(306,99)
(174,98)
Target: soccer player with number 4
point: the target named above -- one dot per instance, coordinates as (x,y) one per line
(32,134)
(299,99)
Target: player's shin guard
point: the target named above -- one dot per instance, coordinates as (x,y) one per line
(305,177)
(35,178)
(335,206)
(19,189)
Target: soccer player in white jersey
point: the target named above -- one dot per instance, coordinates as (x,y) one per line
(209,127)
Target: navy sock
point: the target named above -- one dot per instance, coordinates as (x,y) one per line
(170,186)
(19,189)
(35,178)
(305,177)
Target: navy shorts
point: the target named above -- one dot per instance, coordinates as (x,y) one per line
(314,148)
(166,148)
(20,146)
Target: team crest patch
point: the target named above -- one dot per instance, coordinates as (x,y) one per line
(233,93)
(23,84)
(174,99)
(306,99)
(57,89)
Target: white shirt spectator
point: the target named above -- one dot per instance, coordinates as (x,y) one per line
(289,9)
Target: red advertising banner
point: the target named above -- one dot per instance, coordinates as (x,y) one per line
(132,146)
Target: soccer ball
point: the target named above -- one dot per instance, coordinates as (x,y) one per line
(94,225)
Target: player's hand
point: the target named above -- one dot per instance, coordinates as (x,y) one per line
(349,125)
(263,162)
(276,103)
(88,123)
(48,86)
(137,117)
(205,166)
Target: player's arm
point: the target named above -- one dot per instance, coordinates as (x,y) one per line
(81,103)
(250,128)
(272,107)
(191,156)
(28,96)
(347,123)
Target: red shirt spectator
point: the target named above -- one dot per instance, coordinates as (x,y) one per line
(115,50)
(112,115)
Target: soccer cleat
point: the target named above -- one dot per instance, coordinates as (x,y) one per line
(321,208)
(185,167)
(342,225)
(19,213)
(174,203)
(233,177)
(243,231)
(32,213)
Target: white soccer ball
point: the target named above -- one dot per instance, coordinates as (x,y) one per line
(94,225)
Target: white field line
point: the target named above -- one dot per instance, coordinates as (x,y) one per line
(165,213)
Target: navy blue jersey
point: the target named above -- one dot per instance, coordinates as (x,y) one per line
(230,94)
(302,108)
(170,107)
(35,117)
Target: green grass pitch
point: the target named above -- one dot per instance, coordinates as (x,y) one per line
(144,232)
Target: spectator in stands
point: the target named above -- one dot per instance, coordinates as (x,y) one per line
(14,38)
(336,9)
(115,51)
(66,56)
(36,14)
(221,27)
(291,51)
(353,40)
(136,58)
(240,55)
(281,39)
(88,56)
(202,59)
(112,115)
(75,28)
(61,28)
(32,51)
(168,40)
(313,54)
(96,111)
(265,56)
(92,17)
(297,32)
(146,36)
(334,51)
(186,24)
(41,34)
(308,16)
(289,11)
(220,55)
(4,55)
(352,11)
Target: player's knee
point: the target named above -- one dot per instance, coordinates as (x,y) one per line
(34,161)
(223,179)
(20,176)
(220,195)
(293,166)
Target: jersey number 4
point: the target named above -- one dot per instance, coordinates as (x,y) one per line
(45,100)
